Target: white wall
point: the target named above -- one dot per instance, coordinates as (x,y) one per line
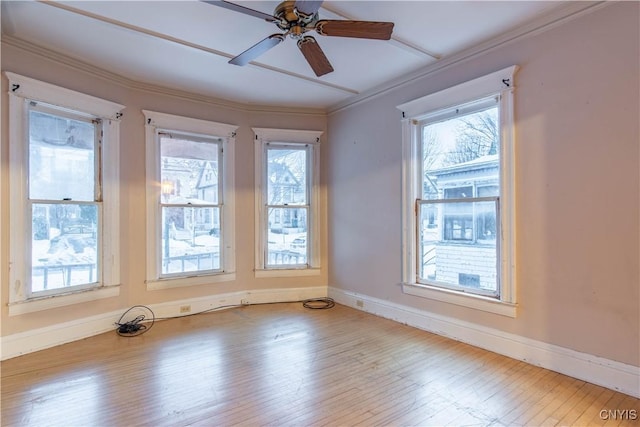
(577,115)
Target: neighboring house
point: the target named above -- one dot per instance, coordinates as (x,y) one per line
(464,252)
(285,187)
(178,177)
(207,187)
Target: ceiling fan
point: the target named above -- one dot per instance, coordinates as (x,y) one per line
(296,18)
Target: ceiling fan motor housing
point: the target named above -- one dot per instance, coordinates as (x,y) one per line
(293,21)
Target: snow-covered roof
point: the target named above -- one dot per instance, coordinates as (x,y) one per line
(482,162)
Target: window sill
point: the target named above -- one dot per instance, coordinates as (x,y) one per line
(476,302)
(54,301)
(181,282)
(290,272)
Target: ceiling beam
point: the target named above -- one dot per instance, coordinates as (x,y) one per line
(395,40)
(196,46)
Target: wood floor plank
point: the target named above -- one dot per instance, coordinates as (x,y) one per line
(284,365)
(591,395)
(535,415)
(529,395)
(593,410)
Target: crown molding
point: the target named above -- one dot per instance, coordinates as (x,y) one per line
(73,63)
(544,23)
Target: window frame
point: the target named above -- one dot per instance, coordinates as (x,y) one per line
(310,140)
(284,207)
(23,91)
(157,123)
(436,107)
(217,205)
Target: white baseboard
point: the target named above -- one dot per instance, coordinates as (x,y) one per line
(62,333)
(593,369)
(597,370)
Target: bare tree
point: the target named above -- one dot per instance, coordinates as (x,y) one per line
(431,154)
(430,148)
(286,164)
(477,136)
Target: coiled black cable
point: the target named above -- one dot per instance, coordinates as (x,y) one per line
(135,327)
(319,303)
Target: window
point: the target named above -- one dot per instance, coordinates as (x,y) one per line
(287,202)
(458,209)
(190,201)
(64,195)
(460,162)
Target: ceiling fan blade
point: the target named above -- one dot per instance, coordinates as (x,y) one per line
(308,7)
(358,29)
(242,9)
(314,56)
(257,49)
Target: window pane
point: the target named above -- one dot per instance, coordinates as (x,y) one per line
(190,239)
(287,236)
(189,171)
(489,191)
(64,245)
(61,158)
(461,152)
(457,245)
(286,176)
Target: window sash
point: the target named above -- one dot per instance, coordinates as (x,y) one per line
(422,254)
(162,232)
(65,269)
(266,229)
(192,257)
(305,204)
(30,202)
(294,139)
(275,146)
(217,141)
(464,235)
(73,115)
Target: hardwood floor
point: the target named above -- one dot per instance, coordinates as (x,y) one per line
(286,365)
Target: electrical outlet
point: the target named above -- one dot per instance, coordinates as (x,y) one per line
(185,309)
(359,303)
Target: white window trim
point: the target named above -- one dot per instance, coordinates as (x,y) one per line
(154,123)
(263,136)
(22,90)
(498,83)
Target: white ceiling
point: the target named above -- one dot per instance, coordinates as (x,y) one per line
(185,45)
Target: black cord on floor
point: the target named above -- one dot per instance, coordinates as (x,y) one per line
(135,327)
(319,303)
